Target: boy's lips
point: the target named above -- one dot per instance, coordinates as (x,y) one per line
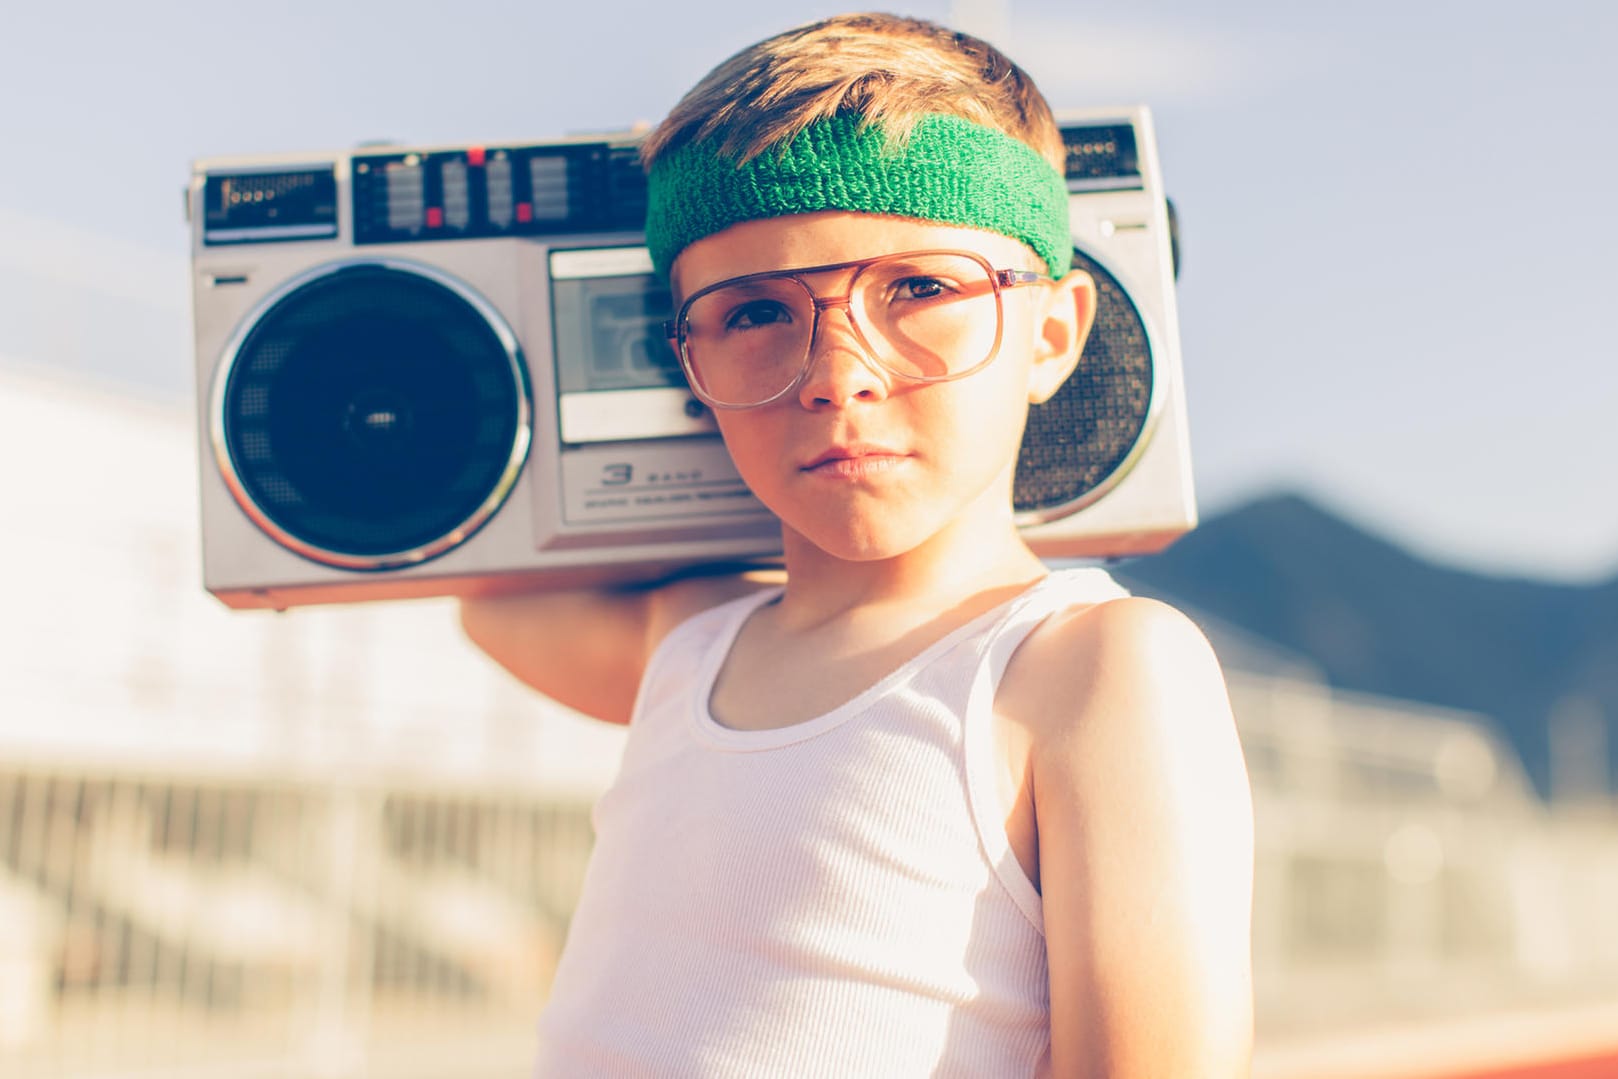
(852,455)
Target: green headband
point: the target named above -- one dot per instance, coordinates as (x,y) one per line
(951,171)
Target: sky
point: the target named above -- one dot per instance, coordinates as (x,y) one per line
(1399,237)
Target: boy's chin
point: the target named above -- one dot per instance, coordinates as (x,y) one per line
(860,542)
(847,545)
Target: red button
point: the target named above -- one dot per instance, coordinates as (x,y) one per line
(435,217)
(525,212)
(474,157)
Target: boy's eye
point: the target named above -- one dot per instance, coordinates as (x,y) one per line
(757,313)
(918,288)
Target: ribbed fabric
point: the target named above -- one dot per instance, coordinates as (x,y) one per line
(834,898)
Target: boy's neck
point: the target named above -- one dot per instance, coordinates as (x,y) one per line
(973,557)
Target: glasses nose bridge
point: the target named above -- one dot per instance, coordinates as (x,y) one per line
(844,302)
(820,304)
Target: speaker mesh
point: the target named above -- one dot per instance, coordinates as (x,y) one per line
(1081,437)
(372,412)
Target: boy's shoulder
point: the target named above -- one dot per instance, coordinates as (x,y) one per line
(1124,661)
(1138,626)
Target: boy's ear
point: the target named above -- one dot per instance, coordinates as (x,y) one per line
(1069,312)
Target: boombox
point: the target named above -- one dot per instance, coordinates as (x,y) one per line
(431,371)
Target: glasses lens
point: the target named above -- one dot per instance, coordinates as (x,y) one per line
(928,316)
(745,342)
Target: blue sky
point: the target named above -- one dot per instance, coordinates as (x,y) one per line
(1400,237)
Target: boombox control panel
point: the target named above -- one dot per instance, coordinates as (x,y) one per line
(456,194)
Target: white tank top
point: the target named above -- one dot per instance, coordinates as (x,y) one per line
(833,898)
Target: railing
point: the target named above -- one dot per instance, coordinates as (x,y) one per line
(1414,899)
(187,926)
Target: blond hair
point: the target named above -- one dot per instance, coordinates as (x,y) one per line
(889,70)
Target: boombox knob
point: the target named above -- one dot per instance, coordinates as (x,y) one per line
(1174,237)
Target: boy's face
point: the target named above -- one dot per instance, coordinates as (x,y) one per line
(859,463)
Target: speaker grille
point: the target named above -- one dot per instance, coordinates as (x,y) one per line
(374,416)
(1079,441)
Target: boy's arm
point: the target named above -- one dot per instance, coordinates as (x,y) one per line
(588,648)
(1145,838)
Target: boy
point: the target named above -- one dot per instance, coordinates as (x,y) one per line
(926,808)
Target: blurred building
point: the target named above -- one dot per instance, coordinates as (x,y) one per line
(115,653)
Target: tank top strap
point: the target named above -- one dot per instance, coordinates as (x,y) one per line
(1059,591)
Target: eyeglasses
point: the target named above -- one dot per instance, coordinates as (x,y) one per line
(922,316)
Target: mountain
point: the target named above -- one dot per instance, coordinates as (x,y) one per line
(1378,619)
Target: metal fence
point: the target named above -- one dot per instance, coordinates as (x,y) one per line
(1407,872)
(173,926)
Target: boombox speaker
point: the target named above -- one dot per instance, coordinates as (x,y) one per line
(440,371)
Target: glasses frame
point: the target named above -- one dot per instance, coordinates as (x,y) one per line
(676,329)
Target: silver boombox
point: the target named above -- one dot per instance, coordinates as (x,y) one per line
(441,371)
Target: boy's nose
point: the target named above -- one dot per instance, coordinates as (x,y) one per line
(840,370)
